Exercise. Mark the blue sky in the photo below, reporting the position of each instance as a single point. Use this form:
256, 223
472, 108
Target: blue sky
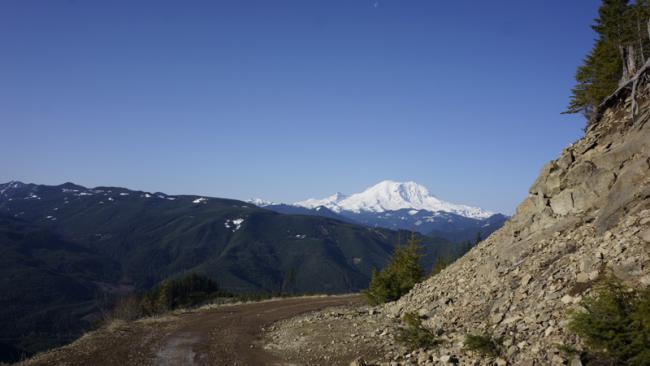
287, 100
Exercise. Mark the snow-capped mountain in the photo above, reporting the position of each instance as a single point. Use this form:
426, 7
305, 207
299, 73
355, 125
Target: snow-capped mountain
260, 202
331, 202
392, 196
400, 205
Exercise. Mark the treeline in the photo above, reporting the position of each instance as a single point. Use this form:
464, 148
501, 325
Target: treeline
189, 291
621, 48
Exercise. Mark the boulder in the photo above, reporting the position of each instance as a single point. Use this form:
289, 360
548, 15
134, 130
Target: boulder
645, 235
562, 203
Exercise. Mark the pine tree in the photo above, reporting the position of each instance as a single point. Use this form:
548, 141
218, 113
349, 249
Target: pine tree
597, 78
164, 298
614, 323
399, 277
621, 48
602, 69
441, 263
613, 23
640, 13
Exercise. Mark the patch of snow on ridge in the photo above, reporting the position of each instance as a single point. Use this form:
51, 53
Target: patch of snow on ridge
259, 202
392, 196
234, 224
200, 200
331, 202
10, 185
32, 196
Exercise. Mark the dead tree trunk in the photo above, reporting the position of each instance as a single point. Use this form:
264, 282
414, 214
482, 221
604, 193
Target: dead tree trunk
631, 62
640, 38
625, 75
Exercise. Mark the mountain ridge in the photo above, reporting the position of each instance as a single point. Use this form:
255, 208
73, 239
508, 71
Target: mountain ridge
66, 247
400, 206
389, 195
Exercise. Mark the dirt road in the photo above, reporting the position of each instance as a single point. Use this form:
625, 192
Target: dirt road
232, 335
227, 335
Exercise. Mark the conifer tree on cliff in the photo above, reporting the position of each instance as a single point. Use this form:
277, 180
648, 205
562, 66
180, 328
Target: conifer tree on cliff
621, 47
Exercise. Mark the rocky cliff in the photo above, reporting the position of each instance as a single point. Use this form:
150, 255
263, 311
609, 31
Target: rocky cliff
589, 207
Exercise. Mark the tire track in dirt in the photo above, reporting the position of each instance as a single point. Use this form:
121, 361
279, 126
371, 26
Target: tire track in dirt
224, 335
231, 335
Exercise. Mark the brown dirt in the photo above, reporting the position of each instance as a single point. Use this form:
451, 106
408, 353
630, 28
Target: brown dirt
226, 335
335, 336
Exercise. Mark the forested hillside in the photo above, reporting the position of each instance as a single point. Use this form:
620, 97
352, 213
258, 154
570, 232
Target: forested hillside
67, 250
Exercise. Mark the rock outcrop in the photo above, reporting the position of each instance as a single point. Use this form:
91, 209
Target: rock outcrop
588, 208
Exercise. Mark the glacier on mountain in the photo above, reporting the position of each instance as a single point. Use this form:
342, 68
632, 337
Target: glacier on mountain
392, 196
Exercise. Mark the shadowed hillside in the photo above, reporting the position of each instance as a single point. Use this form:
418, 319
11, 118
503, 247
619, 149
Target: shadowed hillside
68, 250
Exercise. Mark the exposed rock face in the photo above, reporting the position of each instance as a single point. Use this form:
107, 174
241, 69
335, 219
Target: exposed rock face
589, 207
599, 177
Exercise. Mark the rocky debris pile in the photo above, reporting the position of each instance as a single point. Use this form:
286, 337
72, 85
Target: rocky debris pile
525, 300
588, 210
345, 336
524, 303
334, 336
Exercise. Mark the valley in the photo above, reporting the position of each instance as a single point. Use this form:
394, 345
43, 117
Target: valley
69, 252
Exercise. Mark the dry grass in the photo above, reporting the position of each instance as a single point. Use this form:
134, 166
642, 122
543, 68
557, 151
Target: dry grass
273, 299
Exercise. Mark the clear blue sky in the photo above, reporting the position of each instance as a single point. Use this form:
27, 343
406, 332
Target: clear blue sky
287, 100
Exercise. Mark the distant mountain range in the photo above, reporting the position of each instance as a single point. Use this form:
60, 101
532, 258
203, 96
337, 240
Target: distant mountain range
65, 249
399, 205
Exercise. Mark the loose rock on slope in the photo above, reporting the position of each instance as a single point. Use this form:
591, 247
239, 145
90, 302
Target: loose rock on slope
588, 208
